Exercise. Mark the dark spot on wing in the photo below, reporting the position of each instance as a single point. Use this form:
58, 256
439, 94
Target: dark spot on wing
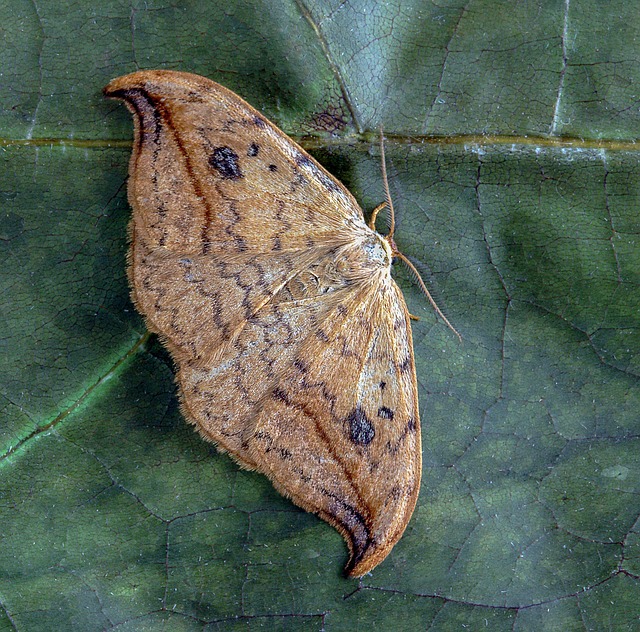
302, 160
385, 413
320, 334
194, 97
285, 454
225, 161
361, 430
280, 395
259, 122
261, 435
253, 150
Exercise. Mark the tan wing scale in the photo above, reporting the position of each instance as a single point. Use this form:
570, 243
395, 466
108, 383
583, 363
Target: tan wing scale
228, 330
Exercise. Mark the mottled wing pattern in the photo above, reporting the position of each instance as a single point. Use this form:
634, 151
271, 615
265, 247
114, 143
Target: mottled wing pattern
291, 341
227, 331
215, 176
209, 175
340, 432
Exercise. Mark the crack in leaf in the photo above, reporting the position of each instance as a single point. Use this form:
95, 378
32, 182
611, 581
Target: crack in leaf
22, 443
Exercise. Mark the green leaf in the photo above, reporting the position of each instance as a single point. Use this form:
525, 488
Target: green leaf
510, 143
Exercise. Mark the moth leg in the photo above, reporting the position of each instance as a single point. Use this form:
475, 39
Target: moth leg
374, 215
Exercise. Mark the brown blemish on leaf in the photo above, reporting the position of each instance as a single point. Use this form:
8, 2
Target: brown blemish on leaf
332, 119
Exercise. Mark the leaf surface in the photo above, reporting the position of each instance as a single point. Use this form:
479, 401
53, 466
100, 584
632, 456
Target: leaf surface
510, 142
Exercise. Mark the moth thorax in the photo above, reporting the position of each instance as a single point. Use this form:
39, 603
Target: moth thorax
359, 260
377, 252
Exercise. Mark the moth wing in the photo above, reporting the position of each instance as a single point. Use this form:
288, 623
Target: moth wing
222, 398
228, 210
209, 174
340, 432
200, 304
231, 325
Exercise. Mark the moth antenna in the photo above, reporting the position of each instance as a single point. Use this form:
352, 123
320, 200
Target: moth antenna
389, 238
387, 192
425, 291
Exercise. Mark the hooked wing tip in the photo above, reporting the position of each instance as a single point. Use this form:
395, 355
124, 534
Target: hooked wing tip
367, 553
365, 560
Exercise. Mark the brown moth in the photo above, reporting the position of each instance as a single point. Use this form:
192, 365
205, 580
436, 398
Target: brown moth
291, 341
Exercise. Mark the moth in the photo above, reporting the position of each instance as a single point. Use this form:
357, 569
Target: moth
291, 341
